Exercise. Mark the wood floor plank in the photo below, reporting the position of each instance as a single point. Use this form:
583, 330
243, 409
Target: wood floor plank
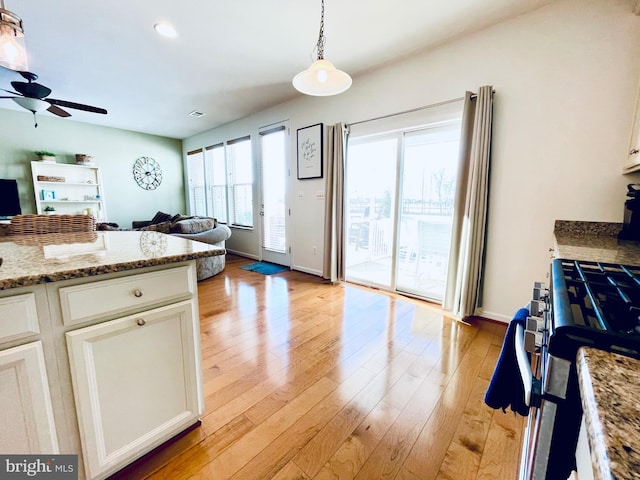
316, 453
186, 464
307, 380
431, 443
271, 459
462, 459
244, 450
356, 449
503, 442
290, 472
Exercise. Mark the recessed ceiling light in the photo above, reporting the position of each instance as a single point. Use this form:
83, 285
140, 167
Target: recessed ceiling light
197, 114
166, 30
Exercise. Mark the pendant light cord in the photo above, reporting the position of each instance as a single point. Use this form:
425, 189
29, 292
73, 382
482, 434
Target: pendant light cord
321, 39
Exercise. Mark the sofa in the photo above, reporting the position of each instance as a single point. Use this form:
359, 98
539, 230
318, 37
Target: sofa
200, 229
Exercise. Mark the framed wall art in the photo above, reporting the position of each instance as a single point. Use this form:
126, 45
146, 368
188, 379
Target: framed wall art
310, 152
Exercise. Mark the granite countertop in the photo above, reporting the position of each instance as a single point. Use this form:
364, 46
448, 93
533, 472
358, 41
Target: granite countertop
594, 241
610, 391
609, 382
33, 259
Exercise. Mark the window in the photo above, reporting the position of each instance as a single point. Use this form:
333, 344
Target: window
221, 182
240, 181
217, 174
195, 167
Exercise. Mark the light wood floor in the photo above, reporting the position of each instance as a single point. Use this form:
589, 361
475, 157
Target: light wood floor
304, 380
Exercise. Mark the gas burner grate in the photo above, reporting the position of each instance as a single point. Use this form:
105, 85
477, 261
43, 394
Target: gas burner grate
604, 296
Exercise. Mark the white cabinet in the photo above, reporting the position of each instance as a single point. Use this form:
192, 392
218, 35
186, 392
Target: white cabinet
26, 414
27, 423
632, 163
68, 189
583, 455
128, 356
136, 383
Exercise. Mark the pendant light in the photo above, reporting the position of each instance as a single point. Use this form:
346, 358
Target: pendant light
13, 53
322, 78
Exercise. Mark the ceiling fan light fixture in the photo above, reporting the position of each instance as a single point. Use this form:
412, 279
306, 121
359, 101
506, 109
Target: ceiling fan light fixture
322, 78
13, 53
34, 105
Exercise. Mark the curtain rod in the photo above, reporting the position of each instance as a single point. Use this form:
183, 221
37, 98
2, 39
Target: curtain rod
411, 111
473, 95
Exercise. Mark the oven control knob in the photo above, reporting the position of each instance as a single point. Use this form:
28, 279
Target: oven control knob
535, 324
536, 307
532, 341
540, 291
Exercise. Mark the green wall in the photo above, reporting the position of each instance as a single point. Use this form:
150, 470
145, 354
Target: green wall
114, 151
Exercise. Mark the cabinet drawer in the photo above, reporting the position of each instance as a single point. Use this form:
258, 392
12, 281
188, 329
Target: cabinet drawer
89, 301
18, 317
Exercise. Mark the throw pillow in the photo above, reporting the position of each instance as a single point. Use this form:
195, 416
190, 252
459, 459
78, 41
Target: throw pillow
193, 225
161, 217
162, 227
107, 226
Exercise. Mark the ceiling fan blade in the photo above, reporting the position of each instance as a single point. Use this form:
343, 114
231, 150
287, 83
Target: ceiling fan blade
77, 106
9, 91
30, 89
58, 111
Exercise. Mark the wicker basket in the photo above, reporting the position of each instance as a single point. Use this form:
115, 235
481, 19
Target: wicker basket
38, 224
55, 239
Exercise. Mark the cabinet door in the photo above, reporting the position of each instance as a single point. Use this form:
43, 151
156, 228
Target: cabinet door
25, 404
136, 383
633, 160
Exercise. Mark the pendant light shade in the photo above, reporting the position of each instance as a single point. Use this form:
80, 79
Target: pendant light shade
13, 53
322, 78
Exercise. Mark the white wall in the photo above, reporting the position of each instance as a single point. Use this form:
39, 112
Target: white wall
114, 151
566, 79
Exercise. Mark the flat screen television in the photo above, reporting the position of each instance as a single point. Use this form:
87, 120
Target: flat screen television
9, 199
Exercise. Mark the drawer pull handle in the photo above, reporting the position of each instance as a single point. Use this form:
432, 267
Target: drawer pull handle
141, 322
137, 292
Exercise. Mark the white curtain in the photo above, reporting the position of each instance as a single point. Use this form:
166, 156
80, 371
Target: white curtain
466, 259
333, 264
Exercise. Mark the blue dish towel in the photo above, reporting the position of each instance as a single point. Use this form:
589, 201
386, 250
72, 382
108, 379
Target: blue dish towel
505, 388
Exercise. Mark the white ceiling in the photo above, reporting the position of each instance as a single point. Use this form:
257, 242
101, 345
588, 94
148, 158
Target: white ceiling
231, 58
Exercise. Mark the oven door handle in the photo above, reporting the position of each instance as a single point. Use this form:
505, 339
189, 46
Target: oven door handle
531, 385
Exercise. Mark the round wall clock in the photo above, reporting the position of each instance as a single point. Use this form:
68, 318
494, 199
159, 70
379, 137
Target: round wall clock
147, 173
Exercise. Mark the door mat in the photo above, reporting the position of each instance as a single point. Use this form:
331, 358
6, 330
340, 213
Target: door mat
265, 268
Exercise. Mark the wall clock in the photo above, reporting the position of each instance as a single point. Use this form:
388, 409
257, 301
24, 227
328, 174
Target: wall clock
147, 173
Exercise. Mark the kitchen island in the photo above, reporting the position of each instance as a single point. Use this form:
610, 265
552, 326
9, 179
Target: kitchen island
609, 382
99, 344
610, 387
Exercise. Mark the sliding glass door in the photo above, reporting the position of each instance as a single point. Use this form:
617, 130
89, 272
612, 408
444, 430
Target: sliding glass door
370, 212
400, 192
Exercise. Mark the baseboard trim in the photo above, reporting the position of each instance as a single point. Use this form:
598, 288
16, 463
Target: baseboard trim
243, 254
496, 317
310, 271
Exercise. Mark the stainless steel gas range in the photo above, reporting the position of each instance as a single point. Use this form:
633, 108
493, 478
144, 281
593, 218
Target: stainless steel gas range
587, 304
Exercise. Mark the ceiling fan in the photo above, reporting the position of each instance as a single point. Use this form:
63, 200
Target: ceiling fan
34, 97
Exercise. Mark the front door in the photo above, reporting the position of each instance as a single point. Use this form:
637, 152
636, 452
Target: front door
274, 148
